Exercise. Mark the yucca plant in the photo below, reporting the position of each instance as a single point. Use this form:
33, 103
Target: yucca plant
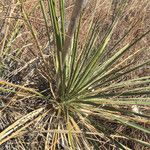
69, 95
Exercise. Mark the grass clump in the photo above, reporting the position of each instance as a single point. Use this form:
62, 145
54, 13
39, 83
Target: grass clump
70, 95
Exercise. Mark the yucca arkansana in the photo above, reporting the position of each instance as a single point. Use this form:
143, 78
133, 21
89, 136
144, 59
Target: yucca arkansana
71, 94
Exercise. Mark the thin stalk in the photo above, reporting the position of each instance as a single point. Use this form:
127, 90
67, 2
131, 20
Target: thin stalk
74, 18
